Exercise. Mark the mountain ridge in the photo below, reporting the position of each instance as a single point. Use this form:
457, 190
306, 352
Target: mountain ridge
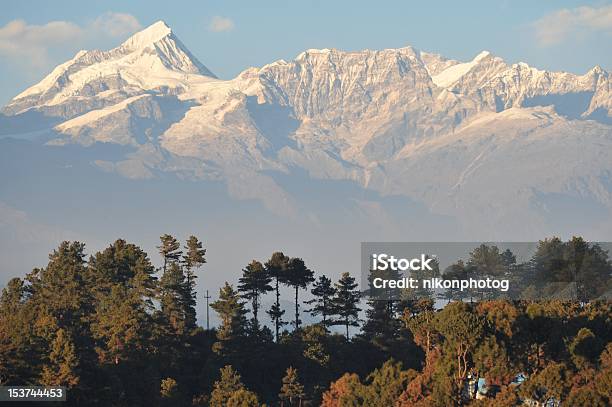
455, 136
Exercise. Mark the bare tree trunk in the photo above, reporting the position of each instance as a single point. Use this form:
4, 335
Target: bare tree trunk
297, 312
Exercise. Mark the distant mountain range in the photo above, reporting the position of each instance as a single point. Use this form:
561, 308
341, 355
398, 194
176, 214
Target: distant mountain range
497, 150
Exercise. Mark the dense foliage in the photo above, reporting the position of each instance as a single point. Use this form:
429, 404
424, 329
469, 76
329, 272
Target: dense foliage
116, 330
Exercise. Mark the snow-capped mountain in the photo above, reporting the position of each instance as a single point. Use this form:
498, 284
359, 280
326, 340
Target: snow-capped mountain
506, 150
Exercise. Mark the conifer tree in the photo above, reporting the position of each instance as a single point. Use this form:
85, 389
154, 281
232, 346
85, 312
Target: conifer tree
121, 263
456, 271
60, 297
61, 370
121, 325
175, 299
223, 389
61, 288
276, 314
508, 258
17, 359
323, 293
243, 398
291, 391
169, 249
346, 302
298, 276
255, 282
193, 259
232, 313
381, 324
276, 268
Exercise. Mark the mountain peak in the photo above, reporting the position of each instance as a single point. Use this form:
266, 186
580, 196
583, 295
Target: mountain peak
481, 56
150, 35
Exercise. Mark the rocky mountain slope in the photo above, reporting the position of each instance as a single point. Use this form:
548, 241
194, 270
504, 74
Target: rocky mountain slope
507, 150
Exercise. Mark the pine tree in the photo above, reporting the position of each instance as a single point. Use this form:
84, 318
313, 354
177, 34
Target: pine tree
233, 322
508, 258
291, 391
121, 263
192, 260
18, 359
61, 288
276, 314
63, 363
255, 281
175, 300
223, 389
381, 324
298, 276
276, 268
346, 302
168, 388
323, 293
61, 298
243, 398
456, 271
169, 250
121, 326
462, 329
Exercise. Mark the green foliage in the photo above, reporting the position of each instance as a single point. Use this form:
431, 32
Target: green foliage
120, 332
254, 283
462, 330
291, 391
585, 348
386, 384
243, 398
276, 267
550, 383
193, 259
168, 388
175, 300
228, 384
298, 276
345, 303
169, 249
323, 293
61, 370
233, 321
583, 268
194, 254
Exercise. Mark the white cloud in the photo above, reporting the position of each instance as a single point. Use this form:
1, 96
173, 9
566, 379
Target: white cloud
22, 41
116, 25
31, 44
220, 24
566, 24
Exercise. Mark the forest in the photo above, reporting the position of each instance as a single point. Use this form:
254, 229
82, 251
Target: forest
117, 330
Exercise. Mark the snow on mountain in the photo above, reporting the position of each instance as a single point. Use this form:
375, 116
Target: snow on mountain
463, 138
453, 73
153, 60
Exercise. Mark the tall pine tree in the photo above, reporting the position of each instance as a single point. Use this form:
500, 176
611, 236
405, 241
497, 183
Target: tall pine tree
233, 322
169, 249
298, 276
193, 259
323, 293
253, 284
175, 299
346, 302
292, 390
276, 268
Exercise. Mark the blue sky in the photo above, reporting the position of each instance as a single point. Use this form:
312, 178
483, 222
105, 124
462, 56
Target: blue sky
229, 35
